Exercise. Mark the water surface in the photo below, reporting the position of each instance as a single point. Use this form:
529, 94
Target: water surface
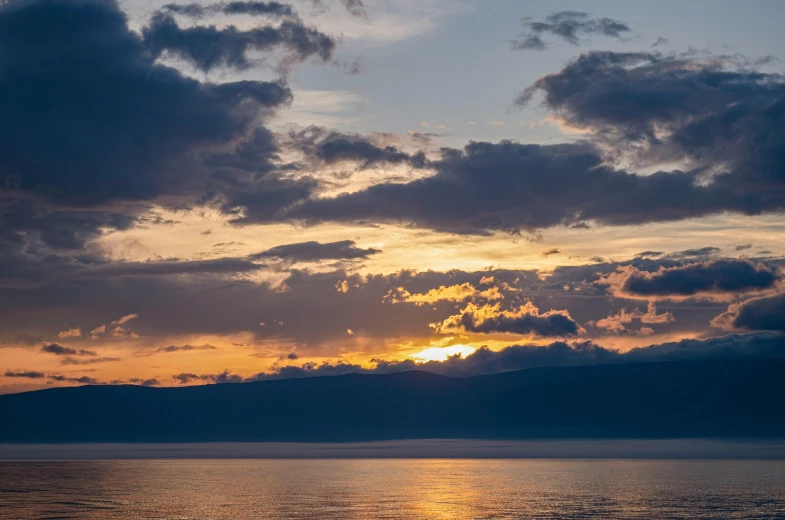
392, 489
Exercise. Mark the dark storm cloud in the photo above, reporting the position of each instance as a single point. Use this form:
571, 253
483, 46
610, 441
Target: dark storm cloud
332, 147
87, 116
209, 47
37, 245
266, 200
26, 225
28, 374
511, 186
570, 26
248, 8
60, 350
716, 112
94, 130
720, 276
316, 251
764, 313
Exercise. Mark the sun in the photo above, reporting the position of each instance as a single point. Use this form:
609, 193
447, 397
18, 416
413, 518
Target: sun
442, 353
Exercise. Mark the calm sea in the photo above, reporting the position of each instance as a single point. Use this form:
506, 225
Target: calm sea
392, 488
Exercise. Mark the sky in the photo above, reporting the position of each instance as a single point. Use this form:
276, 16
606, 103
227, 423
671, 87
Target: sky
197, 193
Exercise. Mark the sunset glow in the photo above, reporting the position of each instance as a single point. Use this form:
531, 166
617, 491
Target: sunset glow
442, 353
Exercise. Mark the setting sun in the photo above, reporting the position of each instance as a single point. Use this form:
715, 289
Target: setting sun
442, 353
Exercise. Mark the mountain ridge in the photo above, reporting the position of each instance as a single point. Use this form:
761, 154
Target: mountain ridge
707, 399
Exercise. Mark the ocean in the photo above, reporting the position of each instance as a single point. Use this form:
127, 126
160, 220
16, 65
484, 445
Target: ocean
191, 489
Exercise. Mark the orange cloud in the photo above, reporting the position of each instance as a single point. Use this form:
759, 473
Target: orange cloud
527, 319
115, 328
617, 323
70, 333
455, 293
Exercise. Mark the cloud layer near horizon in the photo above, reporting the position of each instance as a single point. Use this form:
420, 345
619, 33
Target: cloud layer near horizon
521, 357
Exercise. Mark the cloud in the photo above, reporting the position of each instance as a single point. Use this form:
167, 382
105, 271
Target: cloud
693, 254
485, 361
764, 313
331, 147
232, 8
223, 377
716, 113
315, 314
171, 268
28, 374
120, 131
131, 125
60, 350
115, 329
125, 319
354, 7
91, 361
208, 47
569, 26
453, 293
83, 380
719, 278
310, 369
117, 131
511, 186
185, 378
144, 382
649, 254
618, 323
519, 357
317, 251
490, 319
184, 348
70, 333
551, 252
